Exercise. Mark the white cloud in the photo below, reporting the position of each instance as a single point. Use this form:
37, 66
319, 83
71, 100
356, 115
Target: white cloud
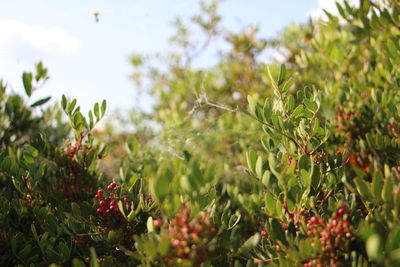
52, 40
328, 5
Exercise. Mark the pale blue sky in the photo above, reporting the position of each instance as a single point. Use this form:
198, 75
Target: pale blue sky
89, 61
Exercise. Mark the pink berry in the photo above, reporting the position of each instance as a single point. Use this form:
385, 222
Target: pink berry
314, 219
338, 230
111, 186
175, 243
158, 222
100, 211
263, 233
342, 210
114, 208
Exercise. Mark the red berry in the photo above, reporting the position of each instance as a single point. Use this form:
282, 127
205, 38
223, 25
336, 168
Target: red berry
158, 222
175, 243
100, 211
314, 219
277, 248
111, 186
114, 208
342, 210
263, 233
108, 199
103, 203
346, 223
338, 230
100, 192
97, 196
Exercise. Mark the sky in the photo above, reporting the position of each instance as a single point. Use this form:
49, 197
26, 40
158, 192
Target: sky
89, 61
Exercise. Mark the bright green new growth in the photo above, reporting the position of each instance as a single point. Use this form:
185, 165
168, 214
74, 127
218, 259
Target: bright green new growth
241, 164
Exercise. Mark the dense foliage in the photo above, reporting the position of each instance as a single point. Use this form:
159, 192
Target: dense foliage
240, 164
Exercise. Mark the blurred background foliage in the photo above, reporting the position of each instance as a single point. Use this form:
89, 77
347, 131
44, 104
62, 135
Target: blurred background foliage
246, 155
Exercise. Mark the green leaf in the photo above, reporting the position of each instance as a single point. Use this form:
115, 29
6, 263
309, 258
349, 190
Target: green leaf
362, 188
77, 263
150, 224
258, 168
270, 204
276, 231
374, 247
282, 74
306, 178
103, 107
315, 127
63, 102
27, 81
377, 185
304, 163
35, 235
251, 159
76, 210
96, 111
250, 243
312, 106
298, 111
393, 240
114, 237
272, 79
65, 251
40, 102
341, 10
387, 191
93, 255
24, 253
161, 185
71, 106
252, 105
52, 255
234, 220
91, 121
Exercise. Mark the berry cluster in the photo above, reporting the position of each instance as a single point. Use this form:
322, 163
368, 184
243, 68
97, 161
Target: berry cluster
71, 152
344, 115
190, 239
334, 237
108, 204
343, 118
319, 157
393, 127
29, 196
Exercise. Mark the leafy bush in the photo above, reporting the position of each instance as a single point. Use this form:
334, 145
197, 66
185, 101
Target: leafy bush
320, 139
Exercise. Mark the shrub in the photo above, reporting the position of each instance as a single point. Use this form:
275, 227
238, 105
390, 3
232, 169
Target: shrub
319, 138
